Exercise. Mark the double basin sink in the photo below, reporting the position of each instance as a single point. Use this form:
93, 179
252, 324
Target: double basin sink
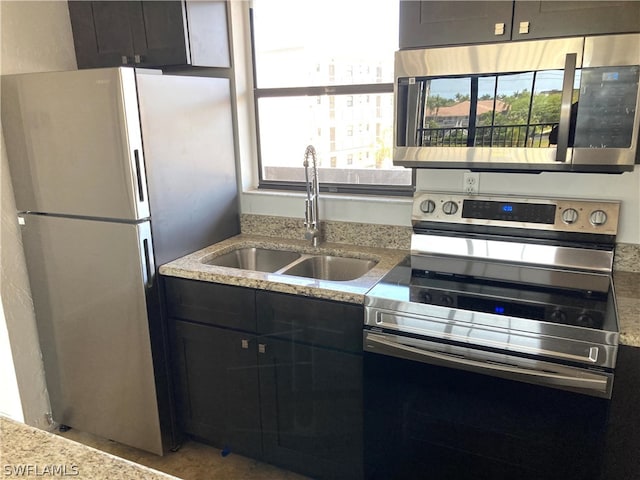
287, 262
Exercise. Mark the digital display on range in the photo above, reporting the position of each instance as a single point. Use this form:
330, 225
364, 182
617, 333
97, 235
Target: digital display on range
501, 307
510, 212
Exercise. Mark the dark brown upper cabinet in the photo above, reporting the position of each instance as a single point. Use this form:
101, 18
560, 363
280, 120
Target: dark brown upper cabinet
434, 23
150, 33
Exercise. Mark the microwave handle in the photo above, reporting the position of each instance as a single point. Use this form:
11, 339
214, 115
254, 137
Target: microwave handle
564, 125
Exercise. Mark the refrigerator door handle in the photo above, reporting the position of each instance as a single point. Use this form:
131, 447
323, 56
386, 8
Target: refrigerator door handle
146, 249
134, 149
140, 185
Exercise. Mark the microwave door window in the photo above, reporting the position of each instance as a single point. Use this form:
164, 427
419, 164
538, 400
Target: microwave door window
447, 110
511, 112
607, 107
518, 110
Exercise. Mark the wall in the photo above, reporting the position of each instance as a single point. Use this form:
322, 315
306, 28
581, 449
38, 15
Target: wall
34, 36
394, 211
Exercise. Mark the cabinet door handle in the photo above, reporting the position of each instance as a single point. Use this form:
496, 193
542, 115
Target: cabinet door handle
245, 343
124, 59
523, 27
137, 59
498, 29
262, 348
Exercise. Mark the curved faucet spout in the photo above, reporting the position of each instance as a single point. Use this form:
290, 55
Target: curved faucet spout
311, 218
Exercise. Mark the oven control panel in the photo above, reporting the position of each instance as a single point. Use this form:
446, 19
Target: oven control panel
566, 215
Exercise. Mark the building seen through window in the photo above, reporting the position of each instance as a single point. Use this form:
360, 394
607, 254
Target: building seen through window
324, 76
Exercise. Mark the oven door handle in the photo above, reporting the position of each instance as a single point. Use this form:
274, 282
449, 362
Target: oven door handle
591, 383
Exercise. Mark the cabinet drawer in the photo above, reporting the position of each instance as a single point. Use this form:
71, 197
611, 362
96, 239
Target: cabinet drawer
211, 303
311, 321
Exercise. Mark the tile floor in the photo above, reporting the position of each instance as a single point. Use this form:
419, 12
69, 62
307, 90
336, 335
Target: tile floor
194, 461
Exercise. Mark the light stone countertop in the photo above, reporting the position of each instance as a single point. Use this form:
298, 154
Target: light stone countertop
26, 451
352, 291
627, 287
627, 284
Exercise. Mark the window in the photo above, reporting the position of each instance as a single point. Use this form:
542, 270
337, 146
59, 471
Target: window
340, 51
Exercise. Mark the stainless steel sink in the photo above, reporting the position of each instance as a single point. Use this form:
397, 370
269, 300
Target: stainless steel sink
258, 259
326, 267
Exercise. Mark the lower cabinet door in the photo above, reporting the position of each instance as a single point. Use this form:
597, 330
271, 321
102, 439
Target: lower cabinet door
217, 383
311, 402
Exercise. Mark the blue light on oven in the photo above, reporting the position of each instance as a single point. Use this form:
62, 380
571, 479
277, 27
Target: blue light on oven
499, 310
507, 208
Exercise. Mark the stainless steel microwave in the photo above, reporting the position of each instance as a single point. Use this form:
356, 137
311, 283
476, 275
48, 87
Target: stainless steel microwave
569, 104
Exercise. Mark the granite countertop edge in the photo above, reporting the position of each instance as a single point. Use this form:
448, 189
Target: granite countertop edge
627, 284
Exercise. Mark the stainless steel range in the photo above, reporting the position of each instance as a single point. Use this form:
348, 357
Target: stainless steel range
517, 288
490, 351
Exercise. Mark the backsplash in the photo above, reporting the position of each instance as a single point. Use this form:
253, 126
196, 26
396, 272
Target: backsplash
627, 258
361, 234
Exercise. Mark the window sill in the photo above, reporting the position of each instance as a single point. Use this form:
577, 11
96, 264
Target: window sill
401, 200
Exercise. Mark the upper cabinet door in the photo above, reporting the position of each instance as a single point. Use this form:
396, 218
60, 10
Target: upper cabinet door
150, 33
160, 37
102, 32
532, 20
432, 23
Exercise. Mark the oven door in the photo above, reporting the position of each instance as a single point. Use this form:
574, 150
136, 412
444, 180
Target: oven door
427, 420
590, 382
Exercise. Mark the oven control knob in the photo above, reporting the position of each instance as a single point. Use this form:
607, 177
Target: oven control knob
447, 300
597, 218
428, 206
585, 320
426, 297
570, 216
558, 316
449, 208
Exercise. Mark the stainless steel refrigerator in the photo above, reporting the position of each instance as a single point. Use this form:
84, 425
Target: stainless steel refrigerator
115, 172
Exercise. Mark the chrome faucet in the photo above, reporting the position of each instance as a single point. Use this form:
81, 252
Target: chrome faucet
311, 220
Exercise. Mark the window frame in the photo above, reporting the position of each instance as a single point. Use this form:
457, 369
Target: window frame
334, 90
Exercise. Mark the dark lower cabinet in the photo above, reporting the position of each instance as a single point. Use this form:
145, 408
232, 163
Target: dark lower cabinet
218, 386
311, 404
622, 446
311, 384
272, 376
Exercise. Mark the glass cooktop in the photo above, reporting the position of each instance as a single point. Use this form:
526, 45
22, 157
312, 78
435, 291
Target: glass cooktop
588, 309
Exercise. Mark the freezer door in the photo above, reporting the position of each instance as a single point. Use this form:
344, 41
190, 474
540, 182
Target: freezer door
74, 144
187, 131
89, 281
